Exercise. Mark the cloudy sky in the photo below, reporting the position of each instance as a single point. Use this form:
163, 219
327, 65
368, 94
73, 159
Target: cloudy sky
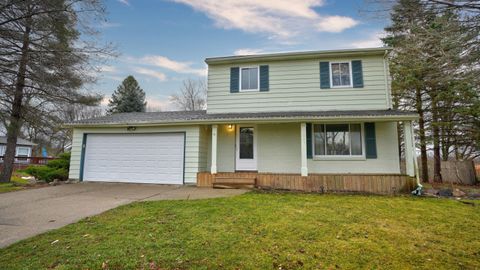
163, 42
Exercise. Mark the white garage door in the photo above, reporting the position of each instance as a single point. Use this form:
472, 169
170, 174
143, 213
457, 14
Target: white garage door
135, 158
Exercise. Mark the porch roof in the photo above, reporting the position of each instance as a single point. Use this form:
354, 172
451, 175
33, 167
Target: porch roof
202, 117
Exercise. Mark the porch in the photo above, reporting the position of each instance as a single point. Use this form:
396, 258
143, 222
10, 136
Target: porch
321, 155
323, 183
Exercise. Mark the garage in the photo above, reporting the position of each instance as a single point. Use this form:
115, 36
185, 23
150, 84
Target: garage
134, 158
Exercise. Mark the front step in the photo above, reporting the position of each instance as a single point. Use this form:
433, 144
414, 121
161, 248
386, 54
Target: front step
233, 182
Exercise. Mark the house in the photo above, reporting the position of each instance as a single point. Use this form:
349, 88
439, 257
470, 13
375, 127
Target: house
23, 149
303, 120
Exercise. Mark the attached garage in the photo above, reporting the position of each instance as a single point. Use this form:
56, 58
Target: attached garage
157, 158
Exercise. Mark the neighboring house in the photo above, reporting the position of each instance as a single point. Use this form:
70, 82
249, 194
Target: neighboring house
22, 152
299, 115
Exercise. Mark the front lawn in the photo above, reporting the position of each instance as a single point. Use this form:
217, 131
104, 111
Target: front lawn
264, 231
16, 183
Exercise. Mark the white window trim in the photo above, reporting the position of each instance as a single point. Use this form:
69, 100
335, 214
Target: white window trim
351, 74
340, 157
258, 80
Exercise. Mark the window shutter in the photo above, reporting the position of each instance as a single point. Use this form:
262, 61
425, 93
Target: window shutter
370, 141
324, 75
234, 79
309, 140
357, 74
264, 78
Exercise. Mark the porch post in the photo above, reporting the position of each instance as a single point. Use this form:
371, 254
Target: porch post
410, 155
303, 135
213, 168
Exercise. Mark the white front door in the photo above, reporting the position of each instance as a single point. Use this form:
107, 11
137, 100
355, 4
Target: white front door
246, 150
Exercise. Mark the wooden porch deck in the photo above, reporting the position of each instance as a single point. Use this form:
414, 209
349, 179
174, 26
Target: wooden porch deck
346, 183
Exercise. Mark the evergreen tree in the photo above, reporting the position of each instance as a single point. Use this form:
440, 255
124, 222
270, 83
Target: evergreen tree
434, 67
128, 97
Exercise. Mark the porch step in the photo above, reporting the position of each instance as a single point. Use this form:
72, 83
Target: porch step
233, 182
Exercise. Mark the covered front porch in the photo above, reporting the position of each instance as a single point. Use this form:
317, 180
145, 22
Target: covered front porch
322, 155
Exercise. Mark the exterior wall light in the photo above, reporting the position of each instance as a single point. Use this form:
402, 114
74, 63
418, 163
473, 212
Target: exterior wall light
230, 127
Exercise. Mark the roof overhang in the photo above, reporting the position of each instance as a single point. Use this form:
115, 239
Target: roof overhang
251, 120
296, 55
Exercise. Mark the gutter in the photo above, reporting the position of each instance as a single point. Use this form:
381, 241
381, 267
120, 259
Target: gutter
248, 120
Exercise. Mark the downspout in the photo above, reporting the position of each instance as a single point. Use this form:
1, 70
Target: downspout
418, 191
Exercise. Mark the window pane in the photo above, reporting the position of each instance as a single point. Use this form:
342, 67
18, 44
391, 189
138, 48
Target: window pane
338, 139
345, 69
319, 139
249, 78
253, 78
246, 143
356, 137
245, 76
22, 151
345, 79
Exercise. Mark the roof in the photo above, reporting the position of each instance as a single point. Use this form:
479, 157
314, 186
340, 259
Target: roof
202, 117
295, 55
20, 141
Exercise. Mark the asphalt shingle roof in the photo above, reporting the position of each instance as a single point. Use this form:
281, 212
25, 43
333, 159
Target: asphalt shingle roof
20, 141
202, 116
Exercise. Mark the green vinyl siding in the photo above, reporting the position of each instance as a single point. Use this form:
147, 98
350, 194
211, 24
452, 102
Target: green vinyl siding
193, 148
295, 86
277, 156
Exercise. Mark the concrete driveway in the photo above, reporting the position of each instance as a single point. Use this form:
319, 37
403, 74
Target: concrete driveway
30, 212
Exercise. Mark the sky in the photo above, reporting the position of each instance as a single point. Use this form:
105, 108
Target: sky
163, 42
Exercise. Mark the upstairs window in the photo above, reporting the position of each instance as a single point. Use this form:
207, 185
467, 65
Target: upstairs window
341, 74
337, 140
249, 79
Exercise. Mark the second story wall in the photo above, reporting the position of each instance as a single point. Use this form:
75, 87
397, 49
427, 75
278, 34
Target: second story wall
294, 85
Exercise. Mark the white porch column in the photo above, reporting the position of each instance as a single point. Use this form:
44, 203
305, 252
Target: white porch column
410, 155
213, 167
303, 135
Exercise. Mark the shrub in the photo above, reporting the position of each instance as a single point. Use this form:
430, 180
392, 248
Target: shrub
55, 169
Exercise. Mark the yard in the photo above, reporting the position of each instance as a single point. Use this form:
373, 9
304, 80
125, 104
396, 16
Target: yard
264, 231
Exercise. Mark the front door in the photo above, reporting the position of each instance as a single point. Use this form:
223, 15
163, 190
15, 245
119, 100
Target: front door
246, 156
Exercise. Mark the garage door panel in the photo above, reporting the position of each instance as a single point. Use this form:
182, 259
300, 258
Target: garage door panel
139, 158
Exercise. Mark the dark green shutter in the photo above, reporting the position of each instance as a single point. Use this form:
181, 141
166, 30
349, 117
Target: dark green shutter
370, 141
264, 78
357, 73
234, 79
309, 140
324, 75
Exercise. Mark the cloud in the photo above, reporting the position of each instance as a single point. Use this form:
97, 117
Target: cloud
372, 41
108, 69
125, 2
336, 24
151, 73
179, 67
247, 51
105, 25
282, 19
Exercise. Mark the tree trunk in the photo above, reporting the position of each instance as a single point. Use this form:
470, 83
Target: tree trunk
13, 129
421, 133
437, 174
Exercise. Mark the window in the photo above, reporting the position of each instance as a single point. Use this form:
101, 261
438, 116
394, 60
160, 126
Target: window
341, 74
22, 154
249, 78
337, 140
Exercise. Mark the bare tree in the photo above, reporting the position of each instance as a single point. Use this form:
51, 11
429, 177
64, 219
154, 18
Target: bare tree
48, 52
192, 96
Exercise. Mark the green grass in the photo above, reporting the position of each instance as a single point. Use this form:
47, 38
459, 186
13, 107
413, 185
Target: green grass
16, 183
264, 231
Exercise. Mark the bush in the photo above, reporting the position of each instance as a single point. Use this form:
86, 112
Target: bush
55, 169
